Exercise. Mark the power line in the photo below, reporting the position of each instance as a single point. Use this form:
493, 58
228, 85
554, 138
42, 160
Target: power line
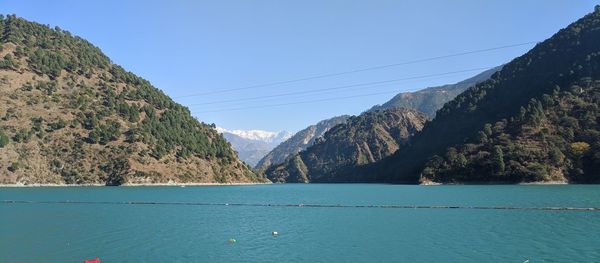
345, 97
306, 102
356, 70
340, 87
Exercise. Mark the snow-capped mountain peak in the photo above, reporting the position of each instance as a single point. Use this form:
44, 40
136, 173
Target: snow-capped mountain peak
252, 145
259, 135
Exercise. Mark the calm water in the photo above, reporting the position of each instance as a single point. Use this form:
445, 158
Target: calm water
173, 233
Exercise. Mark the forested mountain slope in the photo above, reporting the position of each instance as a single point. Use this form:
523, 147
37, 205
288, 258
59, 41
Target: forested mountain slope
299, 141
69, 115
362, 139
534, 120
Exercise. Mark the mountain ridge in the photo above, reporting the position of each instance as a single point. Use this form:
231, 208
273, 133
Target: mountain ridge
431, 99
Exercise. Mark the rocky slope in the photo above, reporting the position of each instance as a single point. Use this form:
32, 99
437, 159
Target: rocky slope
362, 139
431, 99
69, 115
537, 119
299, 141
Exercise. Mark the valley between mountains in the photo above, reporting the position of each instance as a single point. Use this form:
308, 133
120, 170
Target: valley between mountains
69, 115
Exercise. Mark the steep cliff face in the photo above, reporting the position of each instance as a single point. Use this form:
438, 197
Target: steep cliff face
69, 115
362, 139
299, 141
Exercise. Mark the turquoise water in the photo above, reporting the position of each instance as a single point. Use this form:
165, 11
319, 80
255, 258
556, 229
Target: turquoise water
54, 232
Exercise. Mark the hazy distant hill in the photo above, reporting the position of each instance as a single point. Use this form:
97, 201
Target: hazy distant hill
431, 99
254, 144
69, 115
537, 119
362, 139
299, 141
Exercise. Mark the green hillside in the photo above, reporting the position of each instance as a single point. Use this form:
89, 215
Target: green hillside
69, 115
535, 120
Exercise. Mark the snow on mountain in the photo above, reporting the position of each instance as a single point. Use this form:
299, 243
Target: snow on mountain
259, 135
253, 145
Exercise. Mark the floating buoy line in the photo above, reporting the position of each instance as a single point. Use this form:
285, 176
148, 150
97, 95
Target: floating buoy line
305, 205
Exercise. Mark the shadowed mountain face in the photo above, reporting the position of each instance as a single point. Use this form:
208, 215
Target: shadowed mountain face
537, 119
299, 141
362, 139
69, 115
431, 99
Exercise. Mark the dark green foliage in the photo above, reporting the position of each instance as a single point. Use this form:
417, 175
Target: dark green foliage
47, 62
22, 136
88, 120
543, 142
144, 90
175, 129
52, 50
47, 87
27, 87
534, 119
131, 113
36, 127
14, 166
117, 170
57, 125
3, 139
104, 133
498, 160
8, 62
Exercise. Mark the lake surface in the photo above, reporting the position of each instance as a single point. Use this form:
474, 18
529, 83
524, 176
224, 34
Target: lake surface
71, 232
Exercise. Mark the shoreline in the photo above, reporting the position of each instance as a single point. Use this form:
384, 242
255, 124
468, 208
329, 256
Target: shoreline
266, 183
133, 184
546, 183
498, 183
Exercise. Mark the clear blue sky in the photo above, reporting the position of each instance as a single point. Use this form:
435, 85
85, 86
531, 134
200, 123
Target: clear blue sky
186, 47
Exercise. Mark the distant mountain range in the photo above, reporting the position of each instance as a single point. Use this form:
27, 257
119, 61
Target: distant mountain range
299, 141
431, 99
258, 135
252, 145
427, 100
